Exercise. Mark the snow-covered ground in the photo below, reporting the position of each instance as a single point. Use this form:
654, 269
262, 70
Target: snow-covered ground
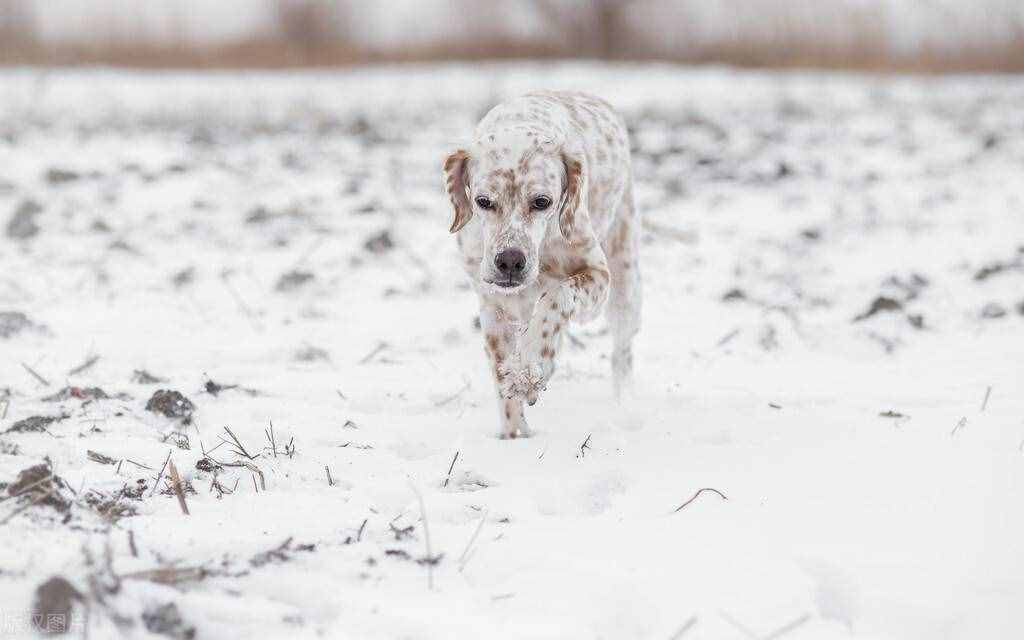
288, 234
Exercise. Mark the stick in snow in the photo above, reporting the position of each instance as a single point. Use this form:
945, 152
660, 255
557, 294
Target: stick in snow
452, 466
85, 366
426, 536
988, 392
176, 485
160, 475
700, 491
35, 375
689, 624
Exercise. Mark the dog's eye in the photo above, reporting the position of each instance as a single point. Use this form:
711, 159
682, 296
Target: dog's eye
541, 203
484, 202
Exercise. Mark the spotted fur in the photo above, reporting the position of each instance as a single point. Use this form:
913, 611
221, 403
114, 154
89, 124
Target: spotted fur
581, 252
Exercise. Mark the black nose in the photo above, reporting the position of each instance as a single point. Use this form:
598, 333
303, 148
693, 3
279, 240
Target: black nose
510, 262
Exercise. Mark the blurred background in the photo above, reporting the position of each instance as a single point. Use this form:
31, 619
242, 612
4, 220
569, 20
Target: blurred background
876, 35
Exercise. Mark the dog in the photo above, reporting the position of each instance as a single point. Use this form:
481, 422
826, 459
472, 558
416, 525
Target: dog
549, 234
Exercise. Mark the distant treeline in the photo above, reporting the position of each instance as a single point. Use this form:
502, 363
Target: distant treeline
938, 35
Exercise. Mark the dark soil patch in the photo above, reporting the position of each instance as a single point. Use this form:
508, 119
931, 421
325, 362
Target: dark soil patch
56, 176
22, 224
14, 322
878, 305
34, 423
39, 485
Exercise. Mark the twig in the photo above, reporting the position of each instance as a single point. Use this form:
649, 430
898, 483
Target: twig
96, 456
783, 630
727, 337
988, 392
736, 625
330, 481
380, 347
441, 403
176, 485
46, 494
161, 474
959, 425
168, 575
450, 467
700, 491
689, 624
464, 558
138, 464
131, 543
239, 450
35, 375
426, 536
256, 472
270, 437
585, 446
88, 364
3, 408
359, 534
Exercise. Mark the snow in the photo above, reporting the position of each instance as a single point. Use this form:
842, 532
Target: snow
811, 194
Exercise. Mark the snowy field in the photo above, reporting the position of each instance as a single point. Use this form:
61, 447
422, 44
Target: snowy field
833, 339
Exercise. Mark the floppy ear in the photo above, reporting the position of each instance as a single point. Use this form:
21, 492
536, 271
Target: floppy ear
458, 188
572, 199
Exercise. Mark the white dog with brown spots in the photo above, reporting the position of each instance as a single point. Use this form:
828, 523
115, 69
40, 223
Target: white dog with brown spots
545, 221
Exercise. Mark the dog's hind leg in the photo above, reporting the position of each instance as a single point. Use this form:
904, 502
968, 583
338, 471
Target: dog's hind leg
622, 246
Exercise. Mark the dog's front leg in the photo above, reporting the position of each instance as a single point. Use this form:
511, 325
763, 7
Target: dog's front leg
501, 331
580, 296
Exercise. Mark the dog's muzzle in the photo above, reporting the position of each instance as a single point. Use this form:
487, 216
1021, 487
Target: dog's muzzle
510, 268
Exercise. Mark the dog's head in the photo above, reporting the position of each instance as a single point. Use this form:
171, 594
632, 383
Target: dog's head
516, 184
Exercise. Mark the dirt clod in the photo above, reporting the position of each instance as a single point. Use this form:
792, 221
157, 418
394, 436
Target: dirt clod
878, 305
166, 620
22, 224
171, 404
292, 280
39, 485
53, 604
379, 242
56, 175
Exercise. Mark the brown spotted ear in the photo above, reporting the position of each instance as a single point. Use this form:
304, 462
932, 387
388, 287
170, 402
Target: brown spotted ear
572, 199
455, 170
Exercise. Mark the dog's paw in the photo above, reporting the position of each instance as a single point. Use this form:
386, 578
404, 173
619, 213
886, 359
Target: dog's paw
523, 382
